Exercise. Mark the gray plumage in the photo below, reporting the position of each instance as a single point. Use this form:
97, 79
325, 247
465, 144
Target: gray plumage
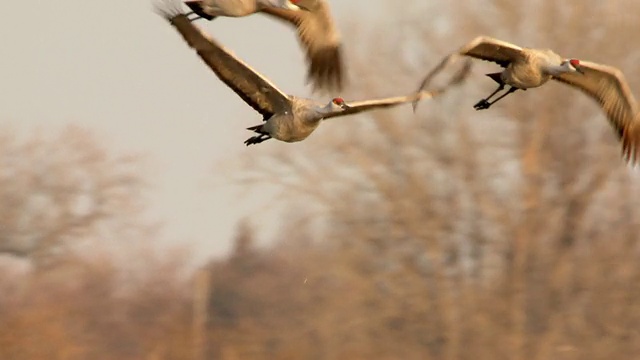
529, 68
286, 118
312, 19
210, 9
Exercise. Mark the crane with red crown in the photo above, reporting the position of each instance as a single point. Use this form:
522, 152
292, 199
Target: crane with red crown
526, 68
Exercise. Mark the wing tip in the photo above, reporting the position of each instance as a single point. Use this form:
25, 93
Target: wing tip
631, 145
457, 79
326, 69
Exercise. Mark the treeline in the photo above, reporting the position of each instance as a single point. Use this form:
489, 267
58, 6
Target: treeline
505, 234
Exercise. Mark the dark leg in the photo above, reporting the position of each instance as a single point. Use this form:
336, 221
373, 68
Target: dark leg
511, 89
257, 139
484, 103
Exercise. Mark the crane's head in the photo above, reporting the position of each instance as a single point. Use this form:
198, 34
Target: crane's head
338, 103
573, 65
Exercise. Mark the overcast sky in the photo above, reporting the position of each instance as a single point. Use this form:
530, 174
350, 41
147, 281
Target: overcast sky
118, 69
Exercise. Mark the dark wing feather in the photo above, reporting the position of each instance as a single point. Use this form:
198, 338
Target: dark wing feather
608, 86
482, 47
254, 89
196, 7
319, 36
490, 49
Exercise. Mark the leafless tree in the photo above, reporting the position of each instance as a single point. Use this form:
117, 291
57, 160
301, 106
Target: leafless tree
59, 190
458, 221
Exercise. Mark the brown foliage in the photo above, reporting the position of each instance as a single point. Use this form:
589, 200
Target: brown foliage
509, 233
85, 315
506, 234
68, 207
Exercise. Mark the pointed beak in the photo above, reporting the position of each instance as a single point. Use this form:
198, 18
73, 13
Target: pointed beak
578, 69
344, 106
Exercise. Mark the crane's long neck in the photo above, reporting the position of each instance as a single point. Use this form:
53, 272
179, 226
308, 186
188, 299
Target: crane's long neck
555, 70
317, 112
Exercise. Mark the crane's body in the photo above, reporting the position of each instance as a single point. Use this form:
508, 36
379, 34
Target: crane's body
301, 116
312, 19
295, 122
526, 68
531, 70
286, 118
209, 9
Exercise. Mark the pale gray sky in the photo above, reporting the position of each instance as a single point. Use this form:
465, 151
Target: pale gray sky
119, 69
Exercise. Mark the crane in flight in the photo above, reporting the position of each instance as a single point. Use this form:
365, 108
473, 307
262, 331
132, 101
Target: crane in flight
287, 118
312, 19
526, 68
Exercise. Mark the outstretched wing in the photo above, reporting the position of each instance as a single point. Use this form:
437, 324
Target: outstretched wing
457, 79
490, 49
482, 47
318, 34
608, 86
254, 89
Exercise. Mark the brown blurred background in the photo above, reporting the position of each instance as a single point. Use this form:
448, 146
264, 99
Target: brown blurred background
510, 233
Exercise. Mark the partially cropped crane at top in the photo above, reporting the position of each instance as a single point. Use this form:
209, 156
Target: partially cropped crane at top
210, 9
286, 118
313, 21
529, 68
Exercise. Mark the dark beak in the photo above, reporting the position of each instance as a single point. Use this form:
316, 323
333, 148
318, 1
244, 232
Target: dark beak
578, 69
345, 106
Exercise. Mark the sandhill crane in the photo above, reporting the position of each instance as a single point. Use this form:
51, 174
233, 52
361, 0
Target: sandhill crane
312, 18
529, 68
210, 9
286, 118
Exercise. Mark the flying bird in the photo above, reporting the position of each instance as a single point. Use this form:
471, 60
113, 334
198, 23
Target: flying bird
210, 9
526, 68
286, 118
316, 29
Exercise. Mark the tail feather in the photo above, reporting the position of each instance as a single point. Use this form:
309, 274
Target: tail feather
257, 128
496, 77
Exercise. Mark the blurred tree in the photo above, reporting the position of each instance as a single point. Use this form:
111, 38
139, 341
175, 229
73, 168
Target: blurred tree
57, 191
470, 234
95, 288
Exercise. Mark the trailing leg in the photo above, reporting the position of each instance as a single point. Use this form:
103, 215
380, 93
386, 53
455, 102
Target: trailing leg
484, 103
262, 135
257, 139
511, 90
